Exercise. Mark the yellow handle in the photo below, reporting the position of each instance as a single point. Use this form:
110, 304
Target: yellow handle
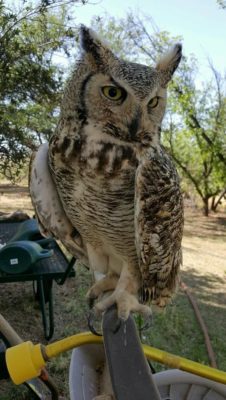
53, 349
184, 364
25, 360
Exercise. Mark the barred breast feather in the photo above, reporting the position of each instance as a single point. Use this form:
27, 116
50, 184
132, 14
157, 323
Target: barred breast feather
96, 186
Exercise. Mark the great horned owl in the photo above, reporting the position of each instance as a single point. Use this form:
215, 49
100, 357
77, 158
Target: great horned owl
105, 186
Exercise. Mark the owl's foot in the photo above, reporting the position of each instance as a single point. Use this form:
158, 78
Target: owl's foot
94, 323
105, 284
104, 397
126, 303
125, 289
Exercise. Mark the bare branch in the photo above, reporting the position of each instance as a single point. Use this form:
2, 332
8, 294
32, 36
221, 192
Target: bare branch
218, 81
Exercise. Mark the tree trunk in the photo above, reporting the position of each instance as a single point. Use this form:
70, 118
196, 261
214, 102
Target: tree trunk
206, 206
214, 204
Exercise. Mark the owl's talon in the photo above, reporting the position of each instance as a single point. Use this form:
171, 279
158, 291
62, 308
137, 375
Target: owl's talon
91, 302
91, 320
148, 322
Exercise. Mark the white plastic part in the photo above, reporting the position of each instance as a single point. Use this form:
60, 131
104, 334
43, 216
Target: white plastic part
86, 361
179, 385
85, 381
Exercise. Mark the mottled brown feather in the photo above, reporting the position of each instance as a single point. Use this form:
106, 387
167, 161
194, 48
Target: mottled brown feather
158, 223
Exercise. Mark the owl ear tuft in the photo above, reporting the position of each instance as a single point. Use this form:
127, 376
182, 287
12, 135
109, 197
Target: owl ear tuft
92, 45
169, 62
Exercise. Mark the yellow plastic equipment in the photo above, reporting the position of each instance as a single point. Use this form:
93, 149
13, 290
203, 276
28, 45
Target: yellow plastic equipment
26, 360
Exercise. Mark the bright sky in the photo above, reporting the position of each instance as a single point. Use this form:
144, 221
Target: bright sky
201, 23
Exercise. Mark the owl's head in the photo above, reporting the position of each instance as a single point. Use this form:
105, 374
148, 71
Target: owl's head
123, 100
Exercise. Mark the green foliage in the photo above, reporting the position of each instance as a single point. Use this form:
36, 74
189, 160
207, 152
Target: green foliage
196, 133
221, 3
31, 41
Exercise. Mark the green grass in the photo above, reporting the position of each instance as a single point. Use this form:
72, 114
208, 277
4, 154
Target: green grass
176, 331
15, 393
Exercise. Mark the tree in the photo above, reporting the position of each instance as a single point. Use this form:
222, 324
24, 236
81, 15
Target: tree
222, 3
197, 137
31, 79
194, 129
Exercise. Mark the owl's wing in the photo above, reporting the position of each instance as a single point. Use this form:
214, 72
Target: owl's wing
48, 207
158, 223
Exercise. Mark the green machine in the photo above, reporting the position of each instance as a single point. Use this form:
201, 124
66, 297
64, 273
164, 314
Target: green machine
24, 249
18, 257
27, 256
29, 230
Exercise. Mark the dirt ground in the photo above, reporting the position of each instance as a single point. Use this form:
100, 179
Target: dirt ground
204, 271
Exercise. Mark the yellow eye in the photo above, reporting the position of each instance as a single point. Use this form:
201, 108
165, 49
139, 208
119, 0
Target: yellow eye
113, 93
153, 102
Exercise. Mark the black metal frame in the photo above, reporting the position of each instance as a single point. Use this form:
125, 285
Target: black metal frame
56, 268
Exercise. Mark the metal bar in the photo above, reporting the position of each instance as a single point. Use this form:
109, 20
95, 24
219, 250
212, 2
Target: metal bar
67, 271
51, 313
48, 327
